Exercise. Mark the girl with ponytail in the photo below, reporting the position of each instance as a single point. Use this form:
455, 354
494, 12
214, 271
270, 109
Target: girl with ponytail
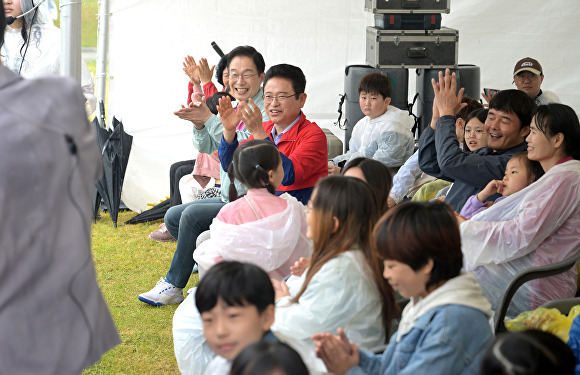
258, 227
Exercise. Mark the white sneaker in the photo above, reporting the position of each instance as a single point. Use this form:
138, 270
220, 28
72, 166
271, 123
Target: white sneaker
164, 293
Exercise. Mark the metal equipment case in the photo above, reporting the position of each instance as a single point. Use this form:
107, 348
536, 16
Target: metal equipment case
412, 48
386, 21
407, 6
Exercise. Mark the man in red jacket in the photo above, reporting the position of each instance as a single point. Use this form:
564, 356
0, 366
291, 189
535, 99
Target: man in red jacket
302, 143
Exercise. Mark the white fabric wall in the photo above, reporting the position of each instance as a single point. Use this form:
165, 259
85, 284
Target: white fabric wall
149, 40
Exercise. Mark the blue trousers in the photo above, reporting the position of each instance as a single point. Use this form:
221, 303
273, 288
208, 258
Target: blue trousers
185, 222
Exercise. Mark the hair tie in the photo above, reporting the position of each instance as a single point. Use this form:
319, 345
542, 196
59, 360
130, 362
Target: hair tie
257, 165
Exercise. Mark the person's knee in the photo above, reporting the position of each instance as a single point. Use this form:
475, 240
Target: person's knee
173, 216
198, 216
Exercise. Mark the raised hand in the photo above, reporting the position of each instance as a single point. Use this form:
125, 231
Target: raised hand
252, 117
229, 118
205, 72
448, 103
300, 266
191, 69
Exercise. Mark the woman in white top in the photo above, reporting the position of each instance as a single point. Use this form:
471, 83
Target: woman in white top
32, 47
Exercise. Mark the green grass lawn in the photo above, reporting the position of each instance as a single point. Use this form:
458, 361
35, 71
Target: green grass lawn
90, 23
127, 264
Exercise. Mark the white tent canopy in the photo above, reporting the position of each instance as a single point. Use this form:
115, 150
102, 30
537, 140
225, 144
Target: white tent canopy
148, 42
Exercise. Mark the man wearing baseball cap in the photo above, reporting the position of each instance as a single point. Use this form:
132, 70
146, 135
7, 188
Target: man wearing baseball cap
528, 77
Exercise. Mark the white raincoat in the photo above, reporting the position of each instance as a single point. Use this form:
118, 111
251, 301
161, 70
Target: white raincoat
536, 226
274, 243
341, 294
42, 58
387, 138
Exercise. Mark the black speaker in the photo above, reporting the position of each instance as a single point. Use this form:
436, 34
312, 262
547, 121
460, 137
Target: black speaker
468, 77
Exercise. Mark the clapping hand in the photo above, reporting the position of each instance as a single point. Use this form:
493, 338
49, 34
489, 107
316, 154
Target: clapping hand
197, 113
448, 103
252, 117
191, 69
300, 266
229, 118
337, 352
205, 72
280, 289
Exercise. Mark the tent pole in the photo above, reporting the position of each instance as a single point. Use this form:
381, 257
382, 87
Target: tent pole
102, 49
70, 38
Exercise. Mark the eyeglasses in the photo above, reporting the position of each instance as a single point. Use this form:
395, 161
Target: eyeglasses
281, 98
521, 77
478, 134
245, 76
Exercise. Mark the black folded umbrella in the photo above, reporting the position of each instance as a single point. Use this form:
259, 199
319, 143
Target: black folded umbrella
115, 146
154, 213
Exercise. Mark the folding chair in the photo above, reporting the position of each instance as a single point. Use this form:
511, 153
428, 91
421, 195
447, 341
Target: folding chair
523, 277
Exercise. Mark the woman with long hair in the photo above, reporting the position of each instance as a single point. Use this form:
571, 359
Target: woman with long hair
32, 47
444, 328
343, 285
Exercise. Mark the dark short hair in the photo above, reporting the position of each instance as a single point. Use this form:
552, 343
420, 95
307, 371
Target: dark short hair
528, 352
472, 105
219, 69
414, 232
514, 101
555, 118
290, 72
534, 167
376, 83
265, 357
237, 284
378, 178
248, 51
2, 23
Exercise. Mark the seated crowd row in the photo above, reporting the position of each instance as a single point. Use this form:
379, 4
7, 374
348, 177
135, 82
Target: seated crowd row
511, 175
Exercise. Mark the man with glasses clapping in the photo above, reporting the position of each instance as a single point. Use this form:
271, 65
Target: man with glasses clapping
302, 143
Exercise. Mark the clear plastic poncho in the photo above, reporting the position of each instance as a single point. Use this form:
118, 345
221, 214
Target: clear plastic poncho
387, 138
341, 294
536, 226
274, 243
42, 57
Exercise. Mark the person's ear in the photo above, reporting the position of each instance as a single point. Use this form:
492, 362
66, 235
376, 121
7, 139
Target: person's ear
459, 123
302, 99
271, 176
541, 78
267, 316
558, 140
262, 78
427, 268
524, 131
336, 224
387, 101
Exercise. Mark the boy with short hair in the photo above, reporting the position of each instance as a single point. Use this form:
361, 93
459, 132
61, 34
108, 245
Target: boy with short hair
384, 134
236, 304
